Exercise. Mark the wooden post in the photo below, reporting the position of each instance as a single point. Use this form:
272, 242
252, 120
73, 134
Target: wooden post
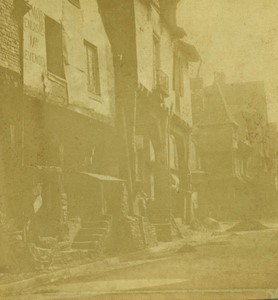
103, 203
128, 166
21, 53
169, 119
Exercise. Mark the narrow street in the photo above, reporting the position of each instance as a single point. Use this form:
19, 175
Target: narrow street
235, 262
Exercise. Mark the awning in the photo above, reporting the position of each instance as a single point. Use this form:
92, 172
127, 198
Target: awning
189, 51
101, 177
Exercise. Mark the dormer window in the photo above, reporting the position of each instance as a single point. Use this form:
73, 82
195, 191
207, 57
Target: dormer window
155, 3
75, 3
93, 80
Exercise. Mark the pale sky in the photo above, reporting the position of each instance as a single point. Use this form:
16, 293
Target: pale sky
239, 37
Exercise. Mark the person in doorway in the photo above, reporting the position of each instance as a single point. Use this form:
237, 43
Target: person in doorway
194, 205
142, 201
175, 192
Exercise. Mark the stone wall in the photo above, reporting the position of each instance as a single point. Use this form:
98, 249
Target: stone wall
9, 37
150, 233
9, 106
133, 233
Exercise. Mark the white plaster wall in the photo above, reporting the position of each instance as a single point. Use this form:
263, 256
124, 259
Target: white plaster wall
186, 107
147, 22
52, 8
94, 33
77, 24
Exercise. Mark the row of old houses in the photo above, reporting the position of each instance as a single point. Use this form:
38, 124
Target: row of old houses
96, 116
97, 113
236, 149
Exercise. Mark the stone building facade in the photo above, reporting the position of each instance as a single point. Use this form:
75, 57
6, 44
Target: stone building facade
154, 105
68, 118
11, 98
61, 153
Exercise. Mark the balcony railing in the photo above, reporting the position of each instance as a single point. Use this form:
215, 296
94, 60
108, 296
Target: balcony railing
162, 82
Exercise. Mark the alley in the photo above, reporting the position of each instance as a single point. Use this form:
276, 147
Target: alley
235, 262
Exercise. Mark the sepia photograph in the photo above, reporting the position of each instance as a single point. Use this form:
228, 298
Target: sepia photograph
139, 149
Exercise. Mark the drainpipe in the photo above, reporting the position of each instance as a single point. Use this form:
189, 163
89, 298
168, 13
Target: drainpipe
21, 7
170, 114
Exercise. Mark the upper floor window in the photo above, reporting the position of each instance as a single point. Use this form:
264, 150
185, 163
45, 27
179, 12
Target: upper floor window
93, 81
75, 3
173, 153
54, 47
178, 80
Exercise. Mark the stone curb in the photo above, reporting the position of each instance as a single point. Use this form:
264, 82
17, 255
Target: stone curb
84, 270
90, 268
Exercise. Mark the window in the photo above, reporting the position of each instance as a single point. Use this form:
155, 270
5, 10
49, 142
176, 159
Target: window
178, 82
54, 47
75, 3
173, 153
156, 57
139, 140
178, 103
93, 82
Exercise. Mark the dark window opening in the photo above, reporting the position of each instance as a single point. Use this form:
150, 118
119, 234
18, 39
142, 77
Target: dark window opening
54, 47
178, 82
93, 81
174, 158
178, 103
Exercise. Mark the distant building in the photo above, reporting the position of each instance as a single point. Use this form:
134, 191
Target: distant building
232, 142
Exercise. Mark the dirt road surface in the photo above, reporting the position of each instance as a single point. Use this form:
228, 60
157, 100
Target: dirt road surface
234, 266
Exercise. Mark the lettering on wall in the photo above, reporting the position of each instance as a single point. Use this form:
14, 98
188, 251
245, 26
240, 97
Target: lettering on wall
34, 29
34, 48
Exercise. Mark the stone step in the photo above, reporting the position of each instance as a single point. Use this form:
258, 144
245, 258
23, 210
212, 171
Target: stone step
64, 245
83, 236
105, 218
86, 245
163, 232
96, 224
93, 230
72, 255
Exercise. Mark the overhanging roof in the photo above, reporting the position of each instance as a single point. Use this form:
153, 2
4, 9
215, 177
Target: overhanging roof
101, 177
189, 51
